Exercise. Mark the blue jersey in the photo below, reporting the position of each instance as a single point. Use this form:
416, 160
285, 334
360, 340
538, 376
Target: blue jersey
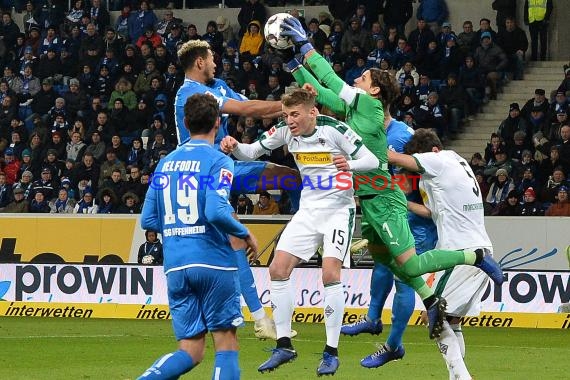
187, 202
423, 229
398, 134
218, 89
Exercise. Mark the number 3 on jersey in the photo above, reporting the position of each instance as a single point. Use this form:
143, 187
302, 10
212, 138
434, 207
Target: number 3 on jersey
186, 202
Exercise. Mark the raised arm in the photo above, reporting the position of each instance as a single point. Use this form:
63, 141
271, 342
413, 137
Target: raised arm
319, 66
253, 108
325, 96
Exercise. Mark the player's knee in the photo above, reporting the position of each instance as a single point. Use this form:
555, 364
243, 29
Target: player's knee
277, 272
330, 277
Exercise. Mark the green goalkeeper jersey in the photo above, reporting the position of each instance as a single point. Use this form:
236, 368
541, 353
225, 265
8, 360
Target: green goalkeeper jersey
364, 114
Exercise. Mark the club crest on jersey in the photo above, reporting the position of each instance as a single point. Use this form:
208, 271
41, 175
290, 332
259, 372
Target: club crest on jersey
226, 177
321, 141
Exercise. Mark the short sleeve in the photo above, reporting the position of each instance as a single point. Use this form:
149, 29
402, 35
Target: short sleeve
430, 164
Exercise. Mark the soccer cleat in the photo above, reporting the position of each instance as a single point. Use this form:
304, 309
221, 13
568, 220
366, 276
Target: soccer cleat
363, 325
278, 357
491, 267
328, 365
265, 328
436, 315
382, 356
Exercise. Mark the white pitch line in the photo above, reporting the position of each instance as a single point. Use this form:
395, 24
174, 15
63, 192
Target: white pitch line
372, 343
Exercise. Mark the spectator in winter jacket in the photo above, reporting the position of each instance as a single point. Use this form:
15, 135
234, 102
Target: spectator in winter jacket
251, 10
434, 12
6, 193
562, 206
530, 206
492, 61
19, 205
140, 20
500, 188
514, 42
10, 167
508, 207
505, 9
150, 252
513, 123
355, 36
39, 205
87, 203
454, 98
244, 205
252, 41
63, 204
397, 13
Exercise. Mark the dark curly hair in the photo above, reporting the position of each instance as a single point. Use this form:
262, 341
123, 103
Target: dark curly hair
389, 87
423, 140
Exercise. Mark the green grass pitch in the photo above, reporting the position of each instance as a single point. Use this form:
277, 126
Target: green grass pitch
35, 348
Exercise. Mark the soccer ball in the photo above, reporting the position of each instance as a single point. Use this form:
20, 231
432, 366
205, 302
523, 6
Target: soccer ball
272, 31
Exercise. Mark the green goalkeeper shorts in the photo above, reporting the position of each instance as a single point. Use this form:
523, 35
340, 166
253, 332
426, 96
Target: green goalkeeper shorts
385, 222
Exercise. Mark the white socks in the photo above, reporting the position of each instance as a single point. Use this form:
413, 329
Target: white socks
282, 301
459, 334
450, 350
334, 311
258, 314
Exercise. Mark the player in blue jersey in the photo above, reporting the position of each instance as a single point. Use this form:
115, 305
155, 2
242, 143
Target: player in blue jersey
425, 236
197, 60
195, 219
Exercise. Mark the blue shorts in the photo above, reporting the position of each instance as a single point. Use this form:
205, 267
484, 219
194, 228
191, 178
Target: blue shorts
246, 175
203, 299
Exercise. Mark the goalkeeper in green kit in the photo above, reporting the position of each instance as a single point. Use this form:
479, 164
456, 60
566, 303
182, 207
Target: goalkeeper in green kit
384, 206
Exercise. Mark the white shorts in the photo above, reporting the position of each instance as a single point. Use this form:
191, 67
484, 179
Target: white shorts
462, 287
311, 228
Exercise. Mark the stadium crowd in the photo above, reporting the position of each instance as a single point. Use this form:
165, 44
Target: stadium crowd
87, 104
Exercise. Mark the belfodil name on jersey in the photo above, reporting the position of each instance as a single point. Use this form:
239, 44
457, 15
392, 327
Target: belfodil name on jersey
181, 166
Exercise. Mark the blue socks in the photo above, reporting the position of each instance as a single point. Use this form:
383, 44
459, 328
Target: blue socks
226, 366
380, 285
402, 309
246, 282
169, 366
175, 364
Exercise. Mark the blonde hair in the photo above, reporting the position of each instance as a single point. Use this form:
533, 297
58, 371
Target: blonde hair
192, 50
297, 97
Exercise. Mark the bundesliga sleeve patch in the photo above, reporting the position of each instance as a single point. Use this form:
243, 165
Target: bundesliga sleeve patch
351, 136
226, 176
